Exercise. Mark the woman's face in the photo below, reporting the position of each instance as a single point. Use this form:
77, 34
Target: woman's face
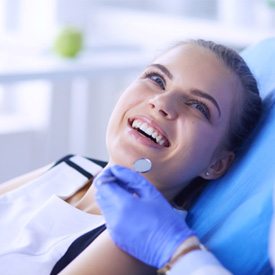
176, 114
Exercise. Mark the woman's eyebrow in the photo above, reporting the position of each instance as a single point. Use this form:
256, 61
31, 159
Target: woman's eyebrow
208, 97
163, 69
193, 91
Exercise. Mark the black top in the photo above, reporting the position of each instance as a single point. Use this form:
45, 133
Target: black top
76, 248
83, 241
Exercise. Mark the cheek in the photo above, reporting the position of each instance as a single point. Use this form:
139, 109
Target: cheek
134, 95
198, 144
129, 98
127, 101
124, 103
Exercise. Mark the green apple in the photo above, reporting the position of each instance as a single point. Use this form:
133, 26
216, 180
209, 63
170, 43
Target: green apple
68, 42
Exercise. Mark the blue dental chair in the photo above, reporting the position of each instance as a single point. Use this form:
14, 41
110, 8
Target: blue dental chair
232, 216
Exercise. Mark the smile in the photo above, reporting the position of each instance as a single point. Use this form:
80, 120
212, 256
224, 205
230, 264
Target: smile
150, 132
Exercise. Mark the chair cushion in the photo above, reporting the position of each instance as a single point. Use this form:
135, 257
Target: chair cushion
261, 60
232, 215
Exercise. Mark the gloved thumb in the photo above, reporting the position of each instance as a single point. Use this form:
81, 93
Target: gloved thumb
134, 181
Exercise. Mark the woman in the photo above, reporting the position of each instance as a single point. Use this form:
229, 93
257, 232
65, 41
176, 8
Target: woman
188, 112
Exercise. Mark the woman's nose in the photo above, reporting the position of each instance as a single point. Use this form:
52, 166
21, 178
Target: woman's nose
165, 105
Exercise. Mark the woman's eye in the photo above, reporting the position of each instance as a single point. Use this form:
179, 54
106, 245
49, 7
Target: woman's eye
201, 107
157, 78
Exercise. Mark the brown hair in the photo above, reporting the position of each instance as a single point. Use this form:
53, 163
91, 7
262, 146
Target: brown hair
243, 120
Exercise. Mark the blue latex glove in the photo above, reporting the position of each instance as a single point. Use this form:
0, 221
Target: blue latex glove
139, 219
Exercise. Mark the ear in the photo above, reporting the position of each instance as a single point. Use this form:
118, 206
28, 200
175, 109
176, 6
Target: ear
219, 166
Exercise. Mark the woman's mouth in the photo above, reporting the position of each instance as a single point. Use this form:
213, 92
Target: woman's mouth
149, 131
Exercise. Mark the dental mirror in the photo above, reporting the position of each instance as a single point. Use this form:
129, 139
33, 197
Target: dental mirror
142, 165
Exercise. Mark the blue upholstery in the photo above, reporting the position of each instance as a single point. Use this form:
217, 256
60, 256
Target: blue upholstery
261, 60
232, 216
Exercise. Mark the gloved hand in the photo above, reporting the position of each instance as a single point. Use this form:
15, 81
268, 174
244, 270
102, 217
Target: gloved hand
139, 219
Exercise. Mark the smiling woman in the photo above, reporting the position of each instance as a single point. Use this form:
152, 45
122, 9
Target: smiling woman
188, 113
178, 113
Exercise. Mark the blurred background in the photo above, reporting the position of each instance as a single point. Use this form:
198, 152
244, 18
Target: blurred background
64, 63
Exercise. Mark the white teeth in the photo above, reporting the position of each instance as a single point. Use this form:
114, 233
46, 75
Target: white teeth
137, 124
150, 131
143, 127
158, 138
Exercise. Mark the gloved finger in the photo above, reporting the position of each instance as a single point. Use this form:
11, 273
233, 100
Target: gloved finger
105, 176
108, 177
104, 179
105, 173
112, 193
134, 181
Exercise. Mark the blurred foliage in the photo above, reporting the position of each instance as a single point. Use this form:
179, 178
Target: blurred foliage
271, 3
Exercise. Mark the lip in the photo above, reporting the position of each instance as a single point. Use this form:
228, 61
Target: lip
144, 139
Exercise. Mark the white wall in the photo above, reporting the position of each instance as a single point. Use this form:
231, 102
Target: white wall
20, 151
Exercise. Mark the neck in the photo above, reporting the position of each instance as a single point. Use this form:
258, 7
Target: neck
87, 202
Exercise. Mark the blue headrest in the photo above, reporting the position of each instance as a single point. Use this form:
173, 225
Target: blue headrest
232, 215
261, 60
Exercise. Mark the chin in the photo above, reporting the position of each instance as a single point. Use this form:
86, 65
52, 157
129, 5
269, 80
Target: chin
121, 157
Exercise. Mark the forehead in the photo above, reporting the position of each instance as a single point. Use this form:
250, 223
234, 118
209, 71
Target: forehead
194, 67
193, 57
